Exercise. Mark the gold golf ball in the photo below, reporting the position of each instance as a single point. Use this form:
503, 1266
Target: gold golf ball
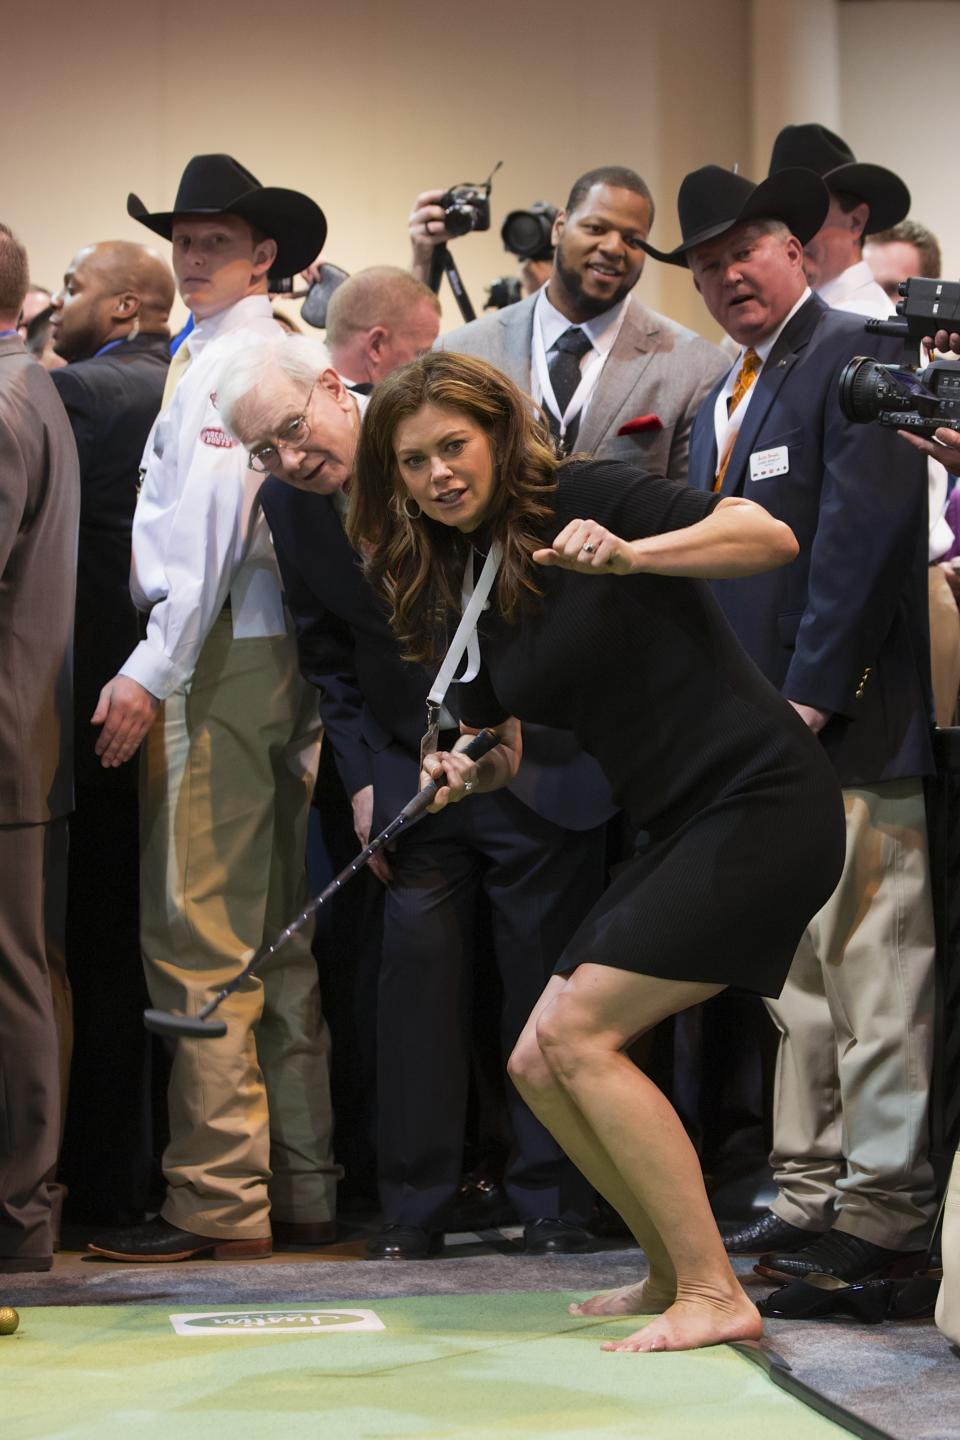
9, 1320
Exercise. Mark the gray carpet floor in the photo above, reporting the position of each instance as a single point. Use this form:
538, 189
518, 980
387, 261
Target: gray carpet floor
901, 1377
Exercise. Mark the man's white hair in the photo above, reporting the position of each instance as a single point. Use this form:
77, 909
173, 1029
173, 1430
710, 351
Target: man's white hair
299, 357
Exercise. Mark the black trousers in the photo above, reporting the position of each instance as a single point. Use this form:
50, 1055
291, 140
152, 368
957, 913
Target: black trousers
539, 880
106, 1158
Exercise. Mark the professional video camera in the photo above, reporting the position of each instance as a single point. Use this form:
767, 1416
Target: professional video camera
904, 397
527, 233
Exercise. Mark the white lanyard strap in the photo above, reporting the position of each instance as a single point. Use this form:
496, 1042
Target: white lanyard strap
580, 396
465, 638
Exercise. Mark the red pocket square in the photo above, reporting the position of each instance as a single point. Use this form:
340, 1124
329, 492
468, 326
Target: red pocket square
640, 423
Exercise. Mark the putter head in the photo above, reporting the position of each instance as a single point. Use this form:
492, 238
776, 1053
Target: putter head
186, 1027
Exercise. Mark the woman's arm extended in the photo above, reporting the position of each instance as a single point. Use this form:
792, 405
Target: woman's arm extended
738, 537
468, 777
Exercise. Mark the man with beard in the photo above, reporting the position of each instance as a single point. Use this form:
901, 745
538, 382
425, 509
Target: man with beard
617, 380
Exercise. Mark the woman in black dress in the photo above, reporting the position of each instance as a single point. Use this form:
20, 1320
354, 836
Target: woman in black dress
600, 623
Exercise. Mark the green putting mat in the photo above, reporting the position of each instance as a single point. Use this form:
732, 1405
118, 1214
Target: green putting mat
421, 1368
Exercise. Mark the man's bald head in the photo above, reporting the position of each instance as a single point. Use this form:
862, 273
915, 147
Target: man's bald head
111, 291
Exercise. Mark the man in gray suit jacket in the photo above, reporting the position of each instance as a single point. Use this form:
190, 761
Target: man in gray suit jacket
39, 516
617, 380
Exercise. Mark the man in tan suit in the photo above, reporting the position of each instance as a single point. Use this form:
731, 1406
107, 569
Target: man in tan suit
616, 379
39, 517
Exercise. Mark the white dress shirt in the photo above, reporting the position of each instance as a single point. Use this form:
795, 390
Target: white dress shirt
199, 534
549, 324
727, 427
856, 290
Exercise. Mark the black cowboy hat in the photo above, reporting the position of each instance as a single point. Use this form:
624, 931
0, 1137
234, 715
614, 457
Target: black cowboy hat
712, 200
219, 185
817, 148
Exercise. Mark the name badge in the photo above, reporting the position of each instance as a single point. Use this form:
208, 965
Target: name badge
764, 464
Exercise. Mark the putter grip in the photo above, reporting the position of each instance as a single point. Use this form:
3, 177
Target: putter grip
479, 744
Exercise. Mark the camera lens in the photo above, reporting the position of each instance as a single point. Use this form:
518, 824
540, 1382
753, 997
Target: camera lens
527, 233
460, 219
867, 388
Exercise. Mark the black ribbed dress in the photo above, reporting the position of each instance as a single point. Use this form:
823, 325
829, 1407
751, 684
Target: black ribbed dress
743, 811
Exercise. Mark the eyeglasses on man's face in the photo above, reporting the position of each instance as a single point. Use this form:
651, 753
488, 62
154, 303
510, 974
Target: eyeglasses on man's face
293, 436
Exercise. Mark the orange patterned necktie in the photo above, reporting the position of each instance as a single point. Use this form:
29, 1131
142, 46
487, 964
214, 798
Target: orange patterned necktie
748, 372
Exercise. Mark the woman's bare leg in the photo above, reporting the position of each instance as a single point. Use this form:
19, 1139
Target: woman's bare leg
555, 1110
581, 1033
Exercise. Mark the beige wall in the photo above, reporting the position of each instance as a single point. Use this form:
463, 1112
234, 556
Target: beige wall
364, 102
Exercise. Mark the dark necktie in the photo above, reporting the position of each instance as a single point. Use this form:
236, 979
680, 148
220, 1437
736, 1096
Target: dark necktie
362, 387
564, 367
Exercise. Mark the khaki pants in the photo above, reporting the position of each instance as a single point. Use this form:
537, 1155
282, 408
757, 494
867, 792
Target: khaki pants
948, 1300
944, 646
856, 1020
228, 777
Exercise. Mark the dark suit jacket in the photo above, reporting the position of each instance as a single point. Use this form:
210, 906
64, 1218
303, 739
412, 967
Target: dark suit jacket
372, 703
655, 366
39, 508
111, 400
844, 627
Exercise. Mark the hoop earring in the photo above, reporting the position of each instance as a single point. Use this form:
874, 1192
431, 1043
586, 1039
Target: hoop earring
403, 506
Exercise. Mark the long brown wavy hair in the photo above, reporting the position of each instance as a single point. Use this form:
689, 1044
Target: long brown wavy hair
417, 564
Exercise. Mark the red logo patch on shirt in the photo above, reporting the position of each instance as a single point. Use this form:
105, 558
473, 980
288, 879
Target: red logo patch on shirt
217, 438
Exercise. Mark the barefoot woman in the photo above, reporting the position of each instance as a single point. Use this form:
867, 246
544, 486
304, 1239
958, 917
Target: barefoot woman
599, 623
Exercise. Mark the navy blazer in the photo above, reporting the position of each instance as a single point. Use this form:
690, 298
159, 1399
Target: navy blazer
844, 627
373, 703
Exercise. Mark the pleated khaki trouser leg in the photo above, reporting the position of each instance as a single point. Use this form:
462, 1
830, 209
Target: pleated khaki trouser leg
856, 1020
948, 1300
228, 776
29, 1071
944, 645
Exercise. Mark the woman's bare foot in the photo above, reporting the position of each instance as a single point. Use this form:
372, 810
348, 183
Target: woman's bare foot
691, 1323
644, 1298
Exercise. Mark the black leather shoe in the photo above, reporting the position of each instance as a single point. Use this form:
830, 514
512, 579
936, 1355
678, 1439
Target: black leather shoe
870, 1301
820, 1296
404, 1242
157, 1240
767, 1233
20, 1264
481, 1204
845, 1256
554, 1237
300, 1234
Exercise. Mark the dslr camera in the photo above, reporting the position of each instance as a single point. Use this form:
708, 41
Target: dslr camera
466, 208
904, 397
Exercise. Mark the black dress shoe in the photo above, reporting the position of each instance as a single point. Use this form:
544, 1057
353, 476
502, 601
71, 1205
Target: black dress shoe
870, 1301
554, 1237
819, 1296
20, 1264
297, 1234
404, 1242
836, 1253
157, 1240
767, 1233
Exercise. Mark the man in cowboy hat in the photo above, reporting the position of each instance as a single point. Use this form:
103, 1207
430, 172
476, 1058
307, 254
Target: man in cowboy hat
230, 763
842, 633
863, 199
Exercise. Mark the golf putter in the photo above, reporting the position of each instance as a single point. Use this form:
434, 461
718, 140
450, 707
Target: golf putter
201, 1026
